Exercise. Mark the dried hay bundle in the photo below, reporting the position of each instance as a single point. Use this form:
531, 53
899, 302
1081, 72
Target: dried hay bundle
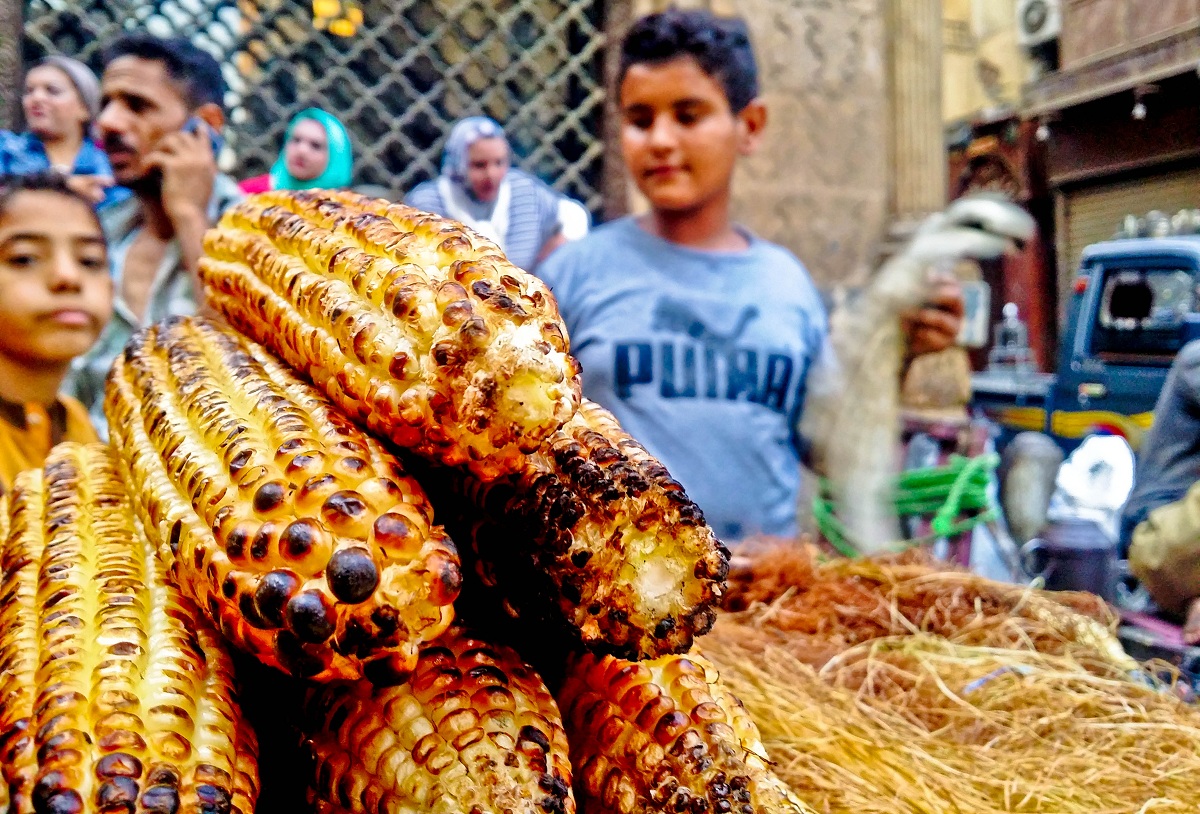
918, 724
781, 595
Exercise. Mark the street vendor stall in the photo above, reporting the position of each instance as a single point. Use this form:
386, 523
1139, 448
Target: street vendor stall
360, 547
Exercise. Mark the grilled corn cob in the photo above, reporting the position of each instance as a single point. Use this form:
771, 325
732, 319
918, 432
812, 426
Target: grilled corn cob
664, 735
595, 536
4, 802
116, 695
474, 730
304, 540
414, 325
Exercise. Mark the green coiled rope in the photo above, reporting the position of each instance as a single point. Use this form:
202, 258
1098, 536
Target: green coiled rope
954, 494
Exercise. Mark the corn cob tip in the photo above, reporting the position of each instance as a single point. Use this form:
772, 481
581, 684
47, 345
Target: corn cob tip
664, 736
601, 540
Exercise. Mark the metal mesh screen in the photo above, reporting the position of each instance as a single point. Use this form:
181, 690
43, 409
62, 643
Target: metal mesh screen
399, 84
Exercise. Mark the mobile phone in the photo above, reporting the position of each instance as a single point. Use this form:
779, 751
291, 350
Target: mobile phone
195, 123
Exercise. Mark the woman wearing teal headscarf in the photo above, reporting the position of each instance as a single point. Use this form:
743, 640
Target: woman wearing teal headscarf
316, 155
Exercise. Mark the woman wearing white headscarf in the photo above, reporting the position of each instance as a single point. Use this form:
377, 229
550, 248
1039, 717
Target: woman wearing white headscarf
479, 187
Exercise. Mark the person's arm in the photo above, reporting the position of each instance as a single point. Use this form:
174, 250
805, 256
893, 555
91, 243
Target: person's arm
1165, 553
189, 172
556, 241
92, 187
936, 325
821, 377
424, 196
1164, 549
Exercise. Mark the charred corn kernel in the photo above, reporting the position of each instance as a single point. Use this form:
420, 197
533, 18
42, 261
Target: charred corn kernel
595, 534
474, 730
306, 543
664, 735
414, 325
116, 695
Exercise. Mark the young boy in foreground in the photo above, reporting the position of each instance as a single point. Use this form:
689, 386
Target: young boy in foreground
695, 333
55, 298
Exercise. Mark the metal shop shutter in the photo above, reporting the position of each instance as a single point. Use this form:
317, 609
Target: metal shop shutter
1094, 213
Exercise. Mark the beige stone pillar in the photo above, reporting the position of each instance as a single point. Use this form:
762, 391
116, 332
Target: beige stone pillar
918, 152
11, 13
819, 184
935, 386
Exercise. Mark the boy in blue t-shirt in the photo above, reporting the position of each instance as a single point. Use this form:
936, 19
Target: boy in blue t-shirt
696, 334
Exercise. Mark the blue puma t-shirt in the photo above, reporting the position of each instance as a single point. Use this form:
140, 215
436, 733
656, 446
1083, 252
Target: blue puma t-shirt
703, 358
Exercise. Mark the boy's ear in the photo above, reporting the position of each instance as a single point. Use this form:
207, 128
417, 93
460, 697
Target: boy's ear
212, 115
752, 121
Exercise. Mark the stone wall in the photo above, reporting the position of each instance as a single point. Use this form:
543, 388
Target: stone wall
11, 79
820, 183
1096, 28
983, 65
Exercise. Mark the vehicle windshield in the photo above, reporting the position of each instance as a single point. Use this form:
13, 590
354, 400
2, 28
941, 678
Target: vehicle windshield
1144, 314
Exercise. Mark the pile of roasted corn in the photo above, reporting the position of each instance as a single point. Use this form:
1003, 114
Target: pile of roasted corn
282, 487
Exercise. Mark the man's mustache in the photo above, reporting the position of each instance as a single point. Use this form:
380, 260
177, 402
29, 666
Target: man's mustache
114, 144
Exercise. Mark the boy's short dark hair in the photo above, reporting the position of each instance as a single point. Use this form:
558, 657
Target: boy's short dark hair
191, 66
720, 45
44, 181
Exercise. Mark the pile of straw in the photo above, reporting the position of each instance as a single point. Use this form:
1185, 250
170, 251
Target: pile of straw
783, 596
918, 724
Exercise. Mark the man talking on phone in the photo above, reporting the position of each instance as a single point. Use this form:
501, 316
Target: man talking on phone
160, 122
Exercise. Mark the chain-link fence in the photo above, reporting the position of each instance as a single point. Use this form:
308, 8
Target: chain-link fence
412, 69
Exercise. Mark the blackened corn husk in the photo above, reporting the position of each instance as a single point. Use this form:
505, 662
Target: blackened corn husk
306, 542
115, 694
593, 537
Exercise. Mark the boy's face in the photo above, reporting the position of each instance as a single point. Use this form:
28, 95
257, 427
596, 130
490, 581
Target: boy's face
679, 135
55, 289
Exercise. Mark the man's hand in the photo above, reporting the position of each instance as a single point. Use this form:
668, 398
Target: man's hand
189, 170
1191, 627
936, 324
92, 187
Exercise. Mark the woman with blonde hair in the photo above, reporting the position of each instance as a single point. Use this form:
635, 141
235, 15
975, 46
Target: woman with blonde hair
61, 99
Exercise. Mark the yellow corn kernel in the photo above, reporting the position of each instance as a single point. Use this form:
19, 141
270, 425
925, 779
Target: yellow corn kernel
115, 692
415, 326
306, 542
665, 736
474, 730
